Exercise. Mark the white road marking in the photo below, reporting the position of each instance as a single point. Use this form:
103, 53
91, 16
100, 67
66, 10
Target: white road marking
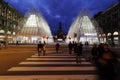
51, 68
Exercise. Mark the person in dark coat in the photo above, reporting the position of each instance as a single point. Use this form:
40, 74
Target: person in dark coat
44, 48
70, 47
78, 51
57, 46
39, 48
94, 52
105, 64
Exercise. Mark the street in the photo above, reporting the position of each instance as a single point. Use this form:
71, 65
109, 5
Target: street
21, 62
12, 55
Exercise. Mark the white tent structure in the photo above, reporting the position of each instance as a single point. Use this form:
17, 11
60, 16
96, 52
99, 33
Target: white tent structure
83, 30
34, 29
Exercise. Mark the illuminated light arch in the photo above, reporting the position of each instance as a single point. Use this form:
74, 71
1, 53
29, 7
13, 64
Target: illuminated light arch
9, 32
2, 31
109, 34
2, 36
115, 33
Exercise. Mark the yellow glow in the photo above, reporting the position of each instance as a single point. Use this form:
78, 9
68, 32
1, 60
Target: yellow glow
115, 33
2, 31
109, 34
84, 29
32, 21
2, 36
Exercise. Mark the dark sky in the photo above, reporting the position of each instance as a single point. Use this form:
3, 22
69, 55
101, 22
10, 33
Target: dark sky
65, 11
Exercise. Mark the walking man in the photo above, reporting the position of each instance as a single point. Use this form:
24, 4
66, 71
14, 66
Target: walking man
44, 48
70, 46
39, 48
57, 46
78, 51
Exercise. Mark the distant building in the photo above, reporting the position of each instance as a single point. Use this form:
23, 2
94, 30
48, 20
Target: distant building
109, 22
9, 18
60, 35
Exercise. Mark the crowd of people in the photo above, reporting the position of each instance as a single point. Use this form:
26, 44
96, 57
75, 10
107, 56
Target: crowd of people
77, 49
101, 55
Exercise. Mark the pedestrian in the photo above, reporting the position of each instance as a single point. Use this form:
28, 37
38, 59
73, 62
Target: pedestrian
94, 53
39, 48
78, 52
100, 49
44, 48
0, 45
105, 65
57, 46
17, 43
70, 47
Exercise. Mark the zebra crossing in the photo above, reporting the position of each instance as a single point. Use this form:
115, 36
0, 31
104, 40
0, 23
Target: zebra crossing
55, 64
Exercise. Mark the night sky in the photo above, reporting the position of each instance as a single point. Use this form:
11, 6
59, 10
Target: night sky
65, 11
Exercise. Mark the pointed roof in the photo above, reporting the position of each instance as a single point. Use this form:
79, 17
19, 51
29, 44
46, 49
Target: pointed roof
34, 25
83, 28
82, 25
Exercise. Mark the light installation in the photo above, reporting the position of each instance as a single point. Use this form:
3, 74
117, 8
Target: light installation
83, 30
34, 29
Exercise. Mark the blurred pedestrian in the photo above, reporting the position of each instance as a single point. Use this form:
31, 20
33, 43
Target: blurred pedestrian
100, 49
39, 48
105, 64
0, 45
70, 47
44, 48
74, 45
57, 46
78, 52
17, 43
94, 53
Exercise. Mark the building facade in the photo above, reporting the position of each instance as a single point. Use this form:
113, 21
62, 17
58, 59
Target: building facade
9, 18
109, 21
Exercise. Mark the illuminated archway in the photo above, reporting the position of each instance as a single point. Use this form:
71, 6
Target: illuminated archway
109, 34
116, 38
2, 36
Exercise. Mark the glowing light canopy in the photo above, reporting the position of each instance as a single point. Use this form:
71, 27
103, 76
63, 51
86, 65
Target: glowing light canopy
84, 29
34, 28
32, 21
